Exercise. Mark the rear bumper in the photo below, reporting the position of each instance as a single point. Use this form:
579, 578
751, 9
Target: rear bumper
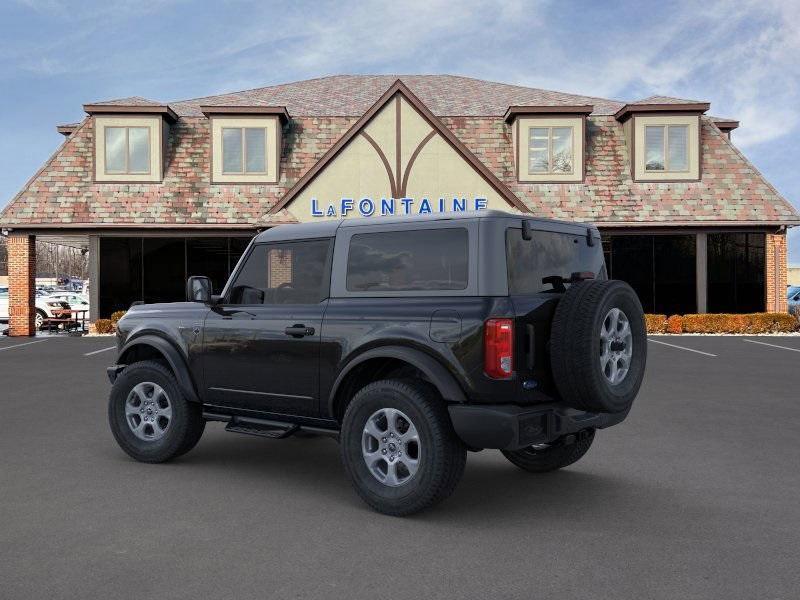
510, 427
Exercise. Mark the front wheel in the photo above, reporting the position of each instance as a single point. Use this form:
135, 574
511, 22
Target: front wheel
149, 416
543, 458
399, 447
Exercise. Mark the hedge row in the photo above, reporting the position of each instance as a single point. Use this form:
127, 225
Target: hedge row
723, 323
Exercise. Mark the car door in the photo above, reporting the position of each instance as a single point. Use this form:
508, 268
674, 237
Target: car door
261, 343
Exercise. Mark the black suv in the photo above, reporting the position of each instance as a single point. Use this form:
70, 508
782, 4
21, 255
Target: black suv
409, 340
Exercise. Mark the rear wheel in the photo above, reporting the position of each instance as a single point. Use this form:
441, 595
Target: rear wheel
39, 318
399, 447
149, 416
543, 458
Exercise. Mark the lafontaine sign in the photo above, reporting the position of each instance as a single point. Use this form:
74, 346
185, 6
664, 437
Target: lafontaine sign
369, 207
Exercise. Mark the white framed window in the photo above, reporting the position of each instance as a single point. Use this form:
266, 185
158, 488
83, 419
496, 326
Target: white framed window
127, 150
550, 150
244, 150
666, 148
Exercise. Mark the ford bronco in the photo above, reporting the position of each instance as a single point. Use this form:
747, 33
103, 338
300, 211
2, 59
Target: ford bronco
409, 340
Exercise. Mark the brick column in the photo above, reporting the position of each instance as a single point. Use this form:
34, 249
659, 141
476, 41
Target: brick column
775, 273
21, 284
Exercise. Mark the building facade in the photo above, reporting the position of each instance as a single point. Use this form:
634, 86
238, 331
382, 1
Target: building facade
156, 192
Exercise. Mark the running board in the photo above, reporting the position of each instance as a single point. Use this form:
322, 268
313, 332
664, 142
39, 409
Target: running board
265, 427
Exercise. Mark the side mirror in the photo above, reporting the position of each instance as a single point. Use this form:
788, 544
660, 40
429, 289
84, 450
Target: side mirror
199, 289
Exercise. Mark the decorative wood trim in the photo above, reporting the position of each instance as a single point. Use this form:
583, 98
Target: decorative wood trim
399, 87
131, 109
630, 109
279, 111
515, 111
412, 158
384, 160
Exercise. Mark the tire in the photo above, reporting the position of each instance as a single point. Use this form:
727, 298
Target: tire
39, 318
556, 456
440, 455
594, 368
159, 439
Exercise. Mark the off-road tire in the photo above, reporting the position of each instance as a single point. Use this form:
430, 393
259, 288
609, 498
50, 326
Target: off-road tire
442, 454
186, 425
575, 344
557, 456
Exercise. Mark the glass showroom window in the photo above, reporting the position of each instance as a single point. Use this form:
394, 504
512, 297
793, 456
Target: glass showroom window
244, 150
550, 150
127, 150
666, 148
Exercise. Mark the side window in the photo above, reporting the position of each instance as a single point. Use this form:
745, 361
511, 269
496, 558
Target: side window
424, 260
284, 273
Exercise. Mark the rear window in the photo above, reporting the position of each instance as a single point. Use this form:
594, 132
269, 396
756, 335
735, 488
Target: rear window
547, 254
395, 261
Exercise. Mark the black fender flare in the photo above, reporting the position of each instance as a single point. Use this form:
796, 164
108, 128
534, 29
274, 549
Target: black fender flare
438, 375
173, 356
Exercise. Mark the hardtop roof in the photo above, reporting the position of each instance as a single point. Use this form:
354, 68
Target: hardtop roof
321, 229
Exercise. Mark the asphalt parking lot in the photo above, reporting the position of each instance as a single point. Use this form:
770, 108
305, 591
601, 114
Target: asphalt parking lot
694, 496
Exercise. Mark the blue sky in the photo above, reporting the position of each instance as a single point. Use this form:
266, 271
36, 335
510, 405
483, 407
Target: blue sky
56, 55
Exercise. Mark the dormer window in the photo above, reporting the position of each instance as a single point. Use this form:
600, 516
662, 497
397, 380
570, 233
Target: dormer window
666, 148
663, 138
550, 150
245, 143
127, 150
548, 142
244, 150
129, 140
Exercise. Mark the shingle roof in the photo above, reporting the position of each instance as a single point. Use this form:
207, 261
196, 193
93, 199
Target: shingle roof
665, 100
63, 192
130, 101
352, 95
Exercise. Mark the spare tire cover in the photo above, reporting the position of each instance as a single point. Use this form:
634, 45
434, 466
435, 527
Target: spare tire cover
598, 346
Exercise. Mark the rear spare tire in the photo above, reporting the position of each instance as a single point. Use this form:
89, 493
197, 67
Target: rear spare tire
599, 346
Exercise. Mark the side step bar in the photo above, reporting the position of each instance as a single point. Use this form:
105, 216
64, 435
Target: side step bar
271, 430
264, 427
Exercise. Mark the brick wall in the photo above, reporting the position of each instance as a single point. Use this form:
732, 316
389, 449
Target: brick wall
776, 271
280, 268
21, 284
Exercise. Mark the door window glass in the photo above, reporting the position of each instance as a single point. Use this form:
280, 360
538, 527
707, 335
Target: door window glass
288, 273
429, 259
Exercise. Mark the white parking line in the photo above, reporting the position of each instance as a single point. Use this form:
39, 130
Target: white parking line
681, 348
101, 350
771, 345
20, 345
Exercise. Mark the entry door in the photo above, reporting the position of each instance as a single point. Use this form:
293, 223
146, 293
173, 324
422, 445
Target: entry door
261, 344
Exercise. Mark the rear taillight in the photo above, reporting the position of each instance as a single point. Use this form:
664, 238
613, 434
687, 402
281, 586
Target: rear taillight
498, 348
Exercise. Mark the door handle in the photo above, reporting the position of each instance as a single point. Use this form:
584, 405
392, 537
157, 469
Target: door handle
298, 330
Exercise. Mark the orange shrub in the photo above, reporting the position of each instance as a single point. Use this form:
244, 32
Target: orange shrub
116, 316
655, 323
746, 323
103, 326
675, 324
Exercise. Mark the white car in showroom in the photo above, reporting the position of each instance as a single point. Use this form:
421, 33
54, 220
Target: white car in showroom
47, 307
